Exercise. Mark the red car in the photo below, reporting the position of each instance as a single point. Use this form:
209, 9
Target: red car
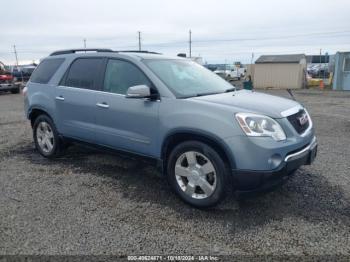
7, 82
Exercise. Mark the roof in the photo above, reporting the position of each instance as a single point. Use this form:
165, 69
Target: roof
271, 59
110, 53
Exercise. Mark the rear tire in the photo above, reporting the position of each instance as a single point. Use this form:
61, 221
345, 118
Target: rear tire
197, 173
46, 138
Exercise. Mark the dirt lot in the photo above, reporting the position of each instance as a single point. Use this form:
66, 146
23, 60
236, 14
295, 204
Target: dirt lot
89, 202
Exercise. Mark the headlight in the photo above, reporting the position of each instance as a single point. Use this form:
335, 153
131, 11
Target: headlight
259, 125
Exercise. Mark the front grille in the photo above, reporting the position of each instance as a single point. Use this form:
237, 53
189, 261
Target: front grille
300, 121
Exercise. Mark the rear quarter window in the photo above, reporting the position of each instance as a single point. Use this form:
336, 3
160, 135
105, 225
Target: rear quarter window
46, 69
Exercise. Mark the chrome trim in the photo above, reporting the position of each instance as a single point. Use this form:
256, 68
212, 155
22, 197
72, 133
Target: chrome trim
291, 111
102, 105
61, 98
303, 151
90, 90
98, 91
310, 124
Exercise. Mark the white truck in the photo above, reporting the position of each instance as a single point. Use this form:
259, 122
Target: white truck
228, 72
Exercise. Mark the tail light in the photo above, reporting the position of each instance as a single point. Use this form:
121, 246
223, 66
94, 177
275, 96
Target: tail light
25, 90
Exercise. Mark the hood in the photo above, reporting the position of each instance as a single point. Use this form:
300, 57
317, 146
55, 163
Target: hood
251, 101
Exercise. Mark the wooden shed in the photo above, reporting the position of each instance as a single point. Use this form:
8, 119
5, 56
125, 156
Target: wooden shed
280, 71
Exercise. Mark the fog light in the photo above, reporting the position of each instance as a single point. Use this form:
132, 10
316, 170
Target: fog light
275, 160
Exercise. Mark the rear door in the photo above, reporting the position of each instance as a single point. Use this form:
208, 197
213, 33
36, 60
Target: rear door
125, 123
76, 99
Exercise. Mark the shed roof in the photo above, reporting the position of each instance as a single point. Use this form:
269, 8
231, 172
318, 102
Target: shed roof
279, 59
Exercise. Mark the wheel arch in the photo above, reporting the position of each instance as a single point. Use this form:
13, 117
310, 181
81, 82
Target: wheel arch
35, 112
178, 136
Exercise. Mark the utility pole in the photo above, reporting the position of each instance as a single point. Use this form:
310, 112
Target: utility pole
15, 51
251, 60
319, 71
190, 44
139, 32
84, 43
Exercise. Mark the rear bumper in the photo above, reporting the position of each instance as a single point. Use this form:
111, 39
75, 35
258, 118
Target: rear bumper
249, 181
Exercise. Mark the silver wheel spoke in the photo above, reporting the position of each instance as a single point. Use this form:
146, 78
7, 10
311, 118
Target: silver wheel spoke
190, 189
191, 158
40, 133
43, 127
49, 135
206, 187
48, 145
182, 171
207, 168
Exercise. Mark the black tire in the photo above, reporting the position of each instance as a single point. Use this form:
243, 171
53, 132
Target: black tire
221, 171
58, 145
15, 91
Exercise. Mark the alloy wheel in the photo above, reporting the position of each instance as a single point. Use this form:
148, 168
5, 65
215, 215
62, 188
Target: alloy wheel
195, 174
45, 137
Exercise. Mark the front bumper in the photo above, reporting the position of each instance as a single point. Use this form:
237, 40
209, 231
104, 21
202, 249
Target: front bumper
7, 86
249, 181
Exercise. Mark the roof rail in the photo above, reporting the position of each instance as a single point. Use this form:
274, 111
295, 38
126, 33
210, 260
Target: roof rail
72, 51
138, 51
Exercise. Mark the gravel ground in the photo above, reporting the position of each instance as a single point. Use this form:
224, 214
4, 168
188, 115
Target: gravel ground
88, 202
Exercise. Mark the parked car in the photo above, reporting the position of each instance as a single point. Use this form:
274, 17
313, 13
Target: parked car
7, 81
228, 72
205, 136
22, 73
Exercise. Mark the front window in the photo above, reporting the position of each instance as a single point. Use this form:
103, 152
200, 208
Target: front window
120, 75
186, 78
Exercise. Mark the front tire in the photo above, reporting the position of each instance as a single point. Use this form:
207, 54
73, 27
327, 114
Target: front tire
46, 138
197, 173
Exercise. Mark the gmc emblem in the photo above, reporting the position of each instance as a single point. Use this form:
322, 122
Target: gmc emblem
303, 119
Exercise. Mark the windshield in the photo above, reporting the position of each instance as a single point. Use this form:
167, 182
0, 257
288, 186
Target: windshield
186, 78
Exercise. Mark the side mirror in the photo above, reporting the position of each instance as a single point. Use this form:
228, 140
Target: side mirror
139, 91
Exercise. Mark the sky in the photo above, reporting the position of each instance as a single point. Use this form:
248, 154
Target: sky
223, 31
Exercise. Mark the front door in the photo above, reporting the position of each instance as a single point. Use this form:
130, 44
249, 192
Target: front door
126, 123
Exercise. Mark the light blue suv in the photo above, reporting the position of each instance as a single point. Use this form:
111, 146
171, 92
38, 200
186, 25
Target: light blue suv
205, 136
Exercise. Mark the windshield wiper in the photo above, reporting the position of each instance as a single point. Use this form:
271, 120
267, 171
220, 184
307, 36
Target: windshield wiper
210, 93
230, 90
207, 94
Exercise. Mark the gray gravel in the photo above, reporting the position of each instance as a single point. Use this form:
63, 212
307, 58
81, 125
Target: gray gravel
88, 202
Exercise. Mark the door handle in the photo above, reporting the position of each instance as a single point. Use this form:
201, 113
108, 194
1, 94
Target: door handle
103, 105
61, 98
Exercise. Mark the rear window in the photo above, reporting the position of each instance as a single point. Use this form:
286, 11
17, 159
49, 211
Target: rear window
46, 70
84, 73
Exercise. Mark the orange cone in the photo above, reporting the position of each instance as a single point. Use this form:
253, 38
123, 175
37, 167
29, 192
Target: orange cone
321, 85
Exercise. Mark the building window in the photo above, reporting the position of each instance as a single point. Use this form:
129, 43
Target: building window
347, 65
